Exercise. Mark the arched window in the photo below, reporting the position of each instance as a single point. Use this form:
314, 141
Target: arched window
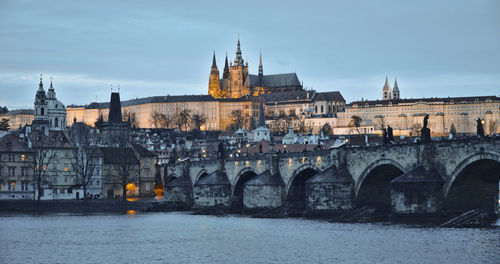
42, 111
321, 109
56, 122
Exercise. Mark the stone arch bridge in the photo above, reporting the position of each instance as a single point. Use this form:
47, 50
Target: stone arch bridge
466, 162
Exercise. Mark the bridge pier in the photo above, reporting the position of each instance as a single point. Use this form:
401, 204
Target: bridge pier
264, 192
329, 192
418, 192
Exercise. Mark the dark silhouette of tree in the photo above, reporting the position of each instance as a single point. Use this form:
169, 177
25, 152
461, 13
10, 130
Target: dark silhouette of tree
4, 124
160, 120
4, 110
236, 119
99, 122
198, 121
182, 119
44, 156
131, 118
327, 129
355, 122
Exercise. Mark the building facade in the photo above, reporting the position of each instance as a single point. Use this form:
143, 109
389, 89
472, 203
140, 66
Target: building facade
446, 115
16, 169
18, 118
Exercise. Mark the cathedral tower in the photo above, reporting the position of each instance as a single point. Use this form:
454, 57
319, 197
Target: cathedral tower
238, 73
386, 91
214, 88
395, 90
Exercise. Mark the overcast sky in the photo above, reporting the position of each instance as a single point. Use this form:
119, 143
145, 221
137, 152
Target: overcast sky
434, 48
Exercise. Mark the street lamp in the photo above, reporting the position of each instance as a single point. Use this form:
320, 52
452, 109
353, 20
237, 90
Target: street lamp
305, 144
284, 148
248, 145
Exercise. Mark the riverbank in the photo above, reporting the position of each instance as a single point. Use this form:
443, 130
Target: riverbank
74, 206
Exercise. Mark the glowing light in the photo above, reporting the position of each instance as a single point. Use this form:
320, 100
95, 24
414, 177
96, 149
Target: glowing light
131, 212
132, 199
131, 187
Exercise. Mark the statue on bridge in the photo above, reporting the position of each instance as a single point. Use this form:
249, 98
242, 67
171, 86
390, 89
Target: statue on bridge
479, 128
390, 136
220, 150
387, 135
425, 132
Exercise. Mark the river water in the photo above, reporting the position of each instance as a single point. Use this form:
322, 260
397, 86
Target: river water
185, 238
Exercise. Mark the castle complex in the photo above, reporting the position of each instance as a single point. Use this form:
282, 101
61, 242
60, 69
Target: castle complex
237, 82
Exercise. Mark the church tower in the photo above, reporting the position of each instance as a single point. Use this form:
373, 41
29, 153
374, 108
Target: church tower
41, 118
386, 91
238, 73
214, 88
395, 90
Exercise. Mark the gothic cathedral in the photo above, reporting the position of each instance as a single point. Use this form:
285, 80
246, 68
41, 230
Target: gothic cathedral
236, 82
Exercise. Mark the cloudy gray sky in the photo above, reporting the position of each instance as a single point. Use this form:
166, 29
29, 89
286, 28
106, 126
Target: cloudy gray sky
434, 48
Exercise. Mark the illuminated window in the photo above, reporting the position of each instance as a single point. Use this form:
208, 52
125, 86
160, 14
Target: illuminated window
22, 157
66, 169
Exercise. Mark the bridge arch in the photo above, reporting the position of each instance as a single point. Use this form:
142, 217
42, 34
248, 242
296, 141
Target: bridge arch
298, 171
371, 167
296, 188
203, 173
473, 184
237, 188
466, 162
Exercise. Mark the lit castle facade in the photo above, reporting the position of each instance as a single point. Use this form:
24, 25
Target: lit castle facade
237, 82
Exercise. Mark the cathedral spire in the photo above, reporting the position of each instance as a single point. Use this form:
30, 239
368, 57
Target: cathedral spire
261, 70
214, 63
40, 85
51, 87
395, 90
238, 61
225, 74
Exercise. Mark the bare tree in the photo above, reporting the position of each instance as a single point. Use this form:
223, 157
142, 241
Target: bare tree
327, 129
87, 158
198, 120
131, 118
159, 120
4, 124
126, 164
183, 118
44, 156
236, 119
355, 122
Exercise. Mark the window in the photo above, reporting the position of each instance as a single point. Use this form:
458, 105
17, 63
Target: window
56, 122
42, 111
66, 169
12, 186
12, 171
316, 109
23, 157
148, 161
97, 183
322, 109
